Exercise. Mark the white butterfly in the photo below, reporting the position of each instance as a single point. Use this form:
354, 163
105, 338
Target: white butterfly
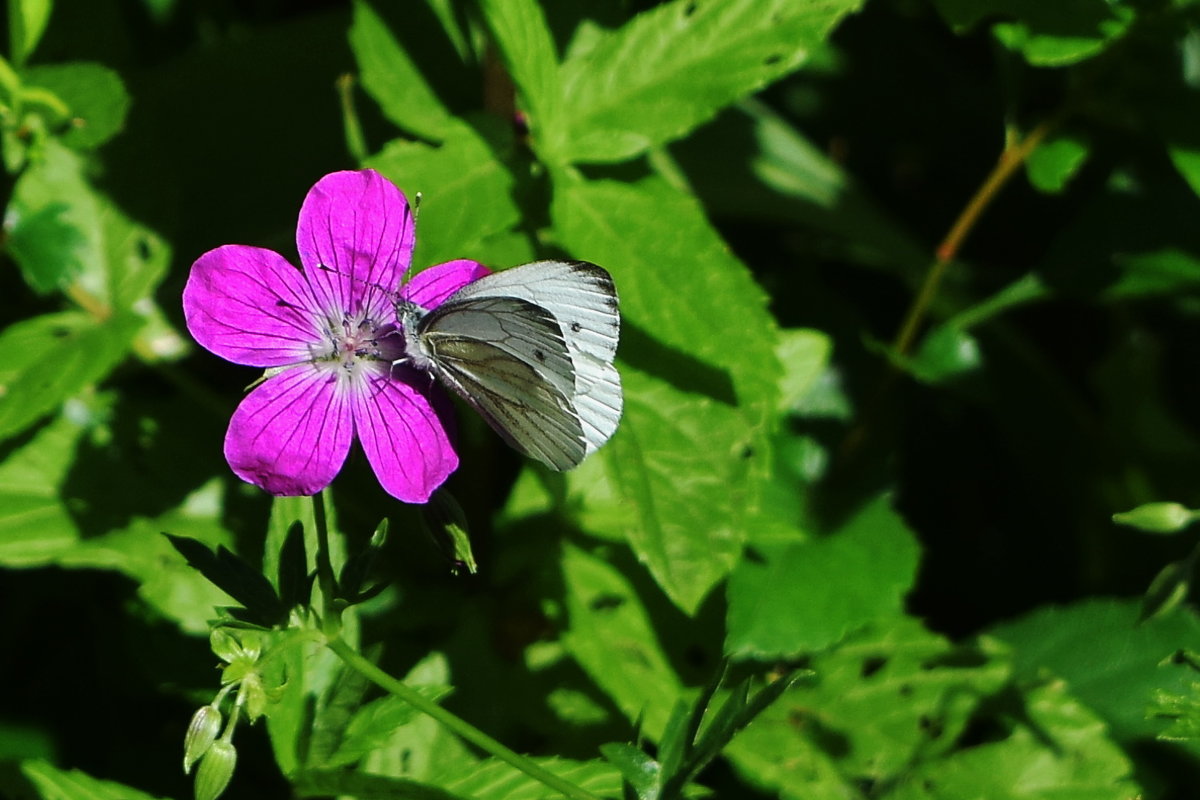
531, 349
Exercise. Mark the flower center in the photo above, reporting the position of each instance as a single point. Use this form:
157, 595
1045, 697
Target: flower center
354, 341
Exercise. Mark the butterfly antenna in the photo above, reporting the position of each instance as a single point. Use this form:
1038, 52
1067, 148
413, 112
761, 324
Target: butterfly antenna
389, 292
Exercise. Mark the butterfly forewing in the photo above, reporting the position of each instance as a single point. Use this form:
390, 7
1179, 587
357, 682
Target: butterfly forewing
531, 349
522, 330
527, 410
582, 300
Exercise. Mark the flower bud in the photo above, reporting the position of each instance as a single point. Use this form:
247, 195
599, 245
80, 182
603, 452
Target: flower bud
215, 770
1157, 517
201, 733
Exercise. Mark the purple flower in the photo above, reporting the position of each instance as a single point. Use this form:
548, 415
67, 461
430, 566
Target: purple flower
327, 335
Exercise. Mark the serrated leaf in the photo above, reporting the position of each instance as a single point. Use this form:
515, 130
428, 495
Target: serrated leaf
675, 66
611, 637
465, 192
35, 525
391, 77
881, 702
52, 783
233, 575
799, 597
689, 460
1046, 34
364, 786
1181, 710
497, 780
95, 95
111, 260
1056, 749
48, 359
375, 722
1109, 659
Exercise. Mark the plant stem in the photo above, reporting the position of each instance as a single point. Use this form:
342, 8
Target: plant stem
1011, 158
1013, 155
455, 724
330, 615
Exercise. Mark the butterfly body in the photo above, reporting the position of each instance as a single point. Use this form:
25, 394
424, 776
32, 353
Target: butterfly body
531, 349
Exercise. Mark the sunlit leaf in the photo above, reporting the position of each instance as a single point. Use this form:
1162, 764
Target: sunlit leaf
391, 77
700, 374
791, 598
674, 66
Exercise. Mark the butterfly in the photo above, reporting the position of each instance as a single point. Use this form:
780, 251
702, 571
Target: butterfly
531, 349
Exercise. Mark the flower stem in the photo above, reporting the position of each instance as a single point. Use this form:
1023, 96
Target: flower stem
456, 724
330, 614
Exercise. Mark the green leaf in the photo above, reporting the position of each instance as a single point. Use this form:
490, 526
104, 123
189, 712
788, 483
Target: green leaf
804, 355
945, 353
1110, 661
48, 359
52, 783
375, 722
364, 786
799, 597
465, 192
520, 32
232, 574
1052, 164
35, 525
611, 637
390, 76
294, 581
422, 749
1046, 34
494, 779
674, 67
638, 769
1182, 710
27, 21
95, 95
1056, 749
78, 236
880, 703
689, 461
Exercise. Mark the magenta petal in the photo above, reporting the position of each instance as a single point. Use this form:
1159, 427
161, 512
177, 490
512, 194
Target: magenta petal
291, 434
250, 306
355, 238
403, 436
429, 288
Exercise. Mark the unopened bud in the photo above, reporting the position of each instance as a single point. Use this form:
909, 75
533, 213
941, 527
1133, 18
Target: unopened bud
1157, 517
215, 770
201, 733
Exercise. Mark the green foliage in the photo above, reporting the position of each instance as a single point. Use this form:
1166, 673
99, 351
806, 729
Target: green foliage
794, 489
